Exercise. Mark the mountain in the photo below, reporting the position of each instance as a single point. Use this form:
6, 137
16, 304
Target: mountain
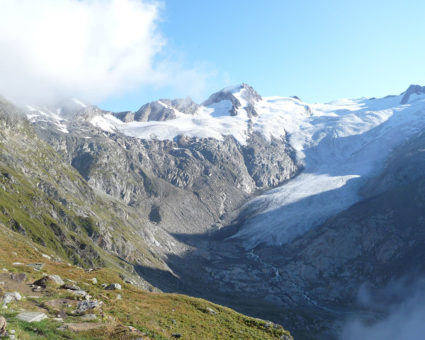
278, 208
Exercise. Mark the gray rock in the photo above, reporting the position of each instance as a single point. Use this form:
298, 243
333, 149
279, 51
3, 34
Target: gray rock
211, 311
84, 306
36, 266
113, 286
80, 293
49, 279
70, 287
11, 296
31, 316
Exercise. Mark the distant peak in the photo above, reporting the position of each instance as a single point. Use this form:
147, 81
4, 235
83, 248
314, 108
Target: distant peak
412, 89
235, 94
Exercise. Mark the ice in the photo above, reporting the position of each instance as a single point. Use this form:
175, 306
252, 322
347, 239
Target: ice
341, 145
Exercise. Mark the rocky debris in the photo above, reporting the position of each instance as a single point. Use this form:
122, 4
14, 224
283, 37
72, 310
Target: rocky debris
55, 280
82, 327
36, 266
85, 305
113, 286
31, 316
3, 325
18, 277
9, 297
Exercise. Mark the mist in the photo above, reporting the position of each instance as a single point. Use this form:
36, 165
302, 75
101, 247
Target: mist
90, 49
402, 305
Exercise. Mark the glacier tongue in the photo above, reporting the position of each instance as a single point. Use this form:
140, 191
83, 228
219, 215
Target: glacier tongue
341, 145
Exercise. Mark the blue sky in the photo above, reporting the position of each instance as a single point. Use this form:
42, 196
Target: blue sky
318, 50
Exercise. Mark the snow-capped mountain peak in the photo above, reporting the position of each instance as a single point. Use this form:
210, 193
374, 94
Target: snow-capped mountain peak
412, 91
240, 97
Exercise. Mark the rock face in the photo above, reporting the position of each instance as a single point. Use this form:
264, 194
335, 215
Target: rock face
160, 110
413, 89
247, 93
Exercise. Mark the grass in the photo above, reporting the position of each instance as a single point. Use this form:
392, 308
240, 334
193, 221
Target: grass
157, 315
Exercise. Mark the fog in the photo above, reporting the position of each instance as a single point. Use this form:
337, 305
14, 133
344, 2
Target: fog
89, 49
402, 305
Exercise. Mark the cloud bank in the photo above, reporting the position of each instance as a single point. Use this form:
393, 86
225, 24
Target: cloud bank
403, 302
89, 49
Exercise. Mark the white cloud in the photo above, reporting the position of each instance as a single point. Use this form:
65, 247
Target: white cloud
402, 302
85, 48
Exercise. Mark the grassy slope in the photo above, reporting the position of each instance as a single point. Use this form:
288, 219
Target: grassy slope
157, 315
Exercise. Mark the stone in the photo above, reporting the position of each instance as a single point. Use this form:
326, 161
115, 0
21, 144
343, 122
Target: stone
113, 286
70, 287
31, 316
176, 335
211, 311
3, 325
36, 266
119, 297
49, 279
58, 319
80, 293
94, 281
9, 297
46, 256
84, 306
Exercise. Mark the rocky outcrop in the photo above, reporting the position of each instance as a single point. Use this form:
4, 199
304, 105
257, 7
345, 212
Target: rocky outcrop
246, 93
413, 89
160, 110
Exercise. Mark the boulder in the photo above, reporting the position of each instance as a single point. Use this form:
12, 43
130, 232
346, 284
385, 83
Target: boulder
31, 316
113, 286
47, 280
70, 287
84, 306
9, 297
